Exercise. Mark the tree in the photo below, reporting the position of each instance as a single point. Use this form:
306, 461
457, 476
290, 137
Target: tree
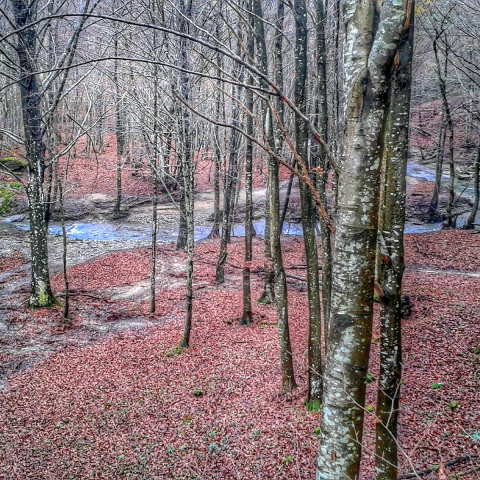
390, 275
273, 204
309, 217
35, 123
247, 293
373, 34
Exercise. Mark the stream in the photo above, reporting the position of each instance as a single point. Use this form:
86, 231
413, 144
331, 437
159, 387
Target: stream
143, 234
111, 232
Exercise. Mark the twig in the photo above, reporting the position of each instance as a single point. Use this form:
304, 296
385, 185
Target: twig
435, 467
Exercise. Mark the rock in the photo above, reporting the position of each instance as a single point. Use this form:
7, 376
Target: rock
6, 191
15, 218
4, 201
14, 164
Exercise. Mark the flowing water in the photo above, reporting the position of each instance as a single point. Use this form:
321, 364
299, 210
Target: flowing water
111, 232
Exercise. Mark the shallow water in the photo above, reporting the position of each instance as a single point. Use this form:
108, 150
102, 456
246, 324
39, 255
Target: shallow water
111, 232
415, 170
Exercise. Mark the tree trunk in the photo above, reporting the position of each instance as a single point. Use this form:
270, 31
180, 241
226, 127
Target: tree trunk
370, 52
184, 129
154, 169
287, 199
187, 168
66, 305
476, 186
390, 274
41, 293
217, 152
268, 295
309, 217
449, 126
119, 130
230, 185
247, 292
281, 293
322, 128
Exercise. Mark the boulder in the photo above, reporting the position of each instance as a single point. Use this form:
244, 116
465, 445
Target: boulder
14, 164
6, 191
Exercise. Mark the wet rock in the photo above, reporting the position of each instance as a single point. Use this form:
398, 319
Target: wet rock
15, 218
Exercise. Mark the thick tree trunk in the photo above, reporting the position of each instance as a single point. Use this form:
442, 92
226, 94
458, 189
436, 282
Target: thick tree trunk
391, 226
309, 217
370, 52
41, 292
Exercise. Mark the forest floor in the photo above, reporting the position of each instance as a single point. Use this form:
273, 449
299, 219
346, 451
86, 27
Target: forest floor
109, 394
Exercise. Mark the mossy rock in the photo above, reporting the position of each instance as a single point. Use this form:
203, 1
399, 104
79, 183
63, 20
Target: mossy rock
13, 187
14, 164
6, 191
476, 350
5, 206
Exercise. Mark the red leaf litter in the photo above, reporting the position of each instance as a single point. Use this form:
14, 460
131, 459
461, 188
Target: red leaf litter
133, 406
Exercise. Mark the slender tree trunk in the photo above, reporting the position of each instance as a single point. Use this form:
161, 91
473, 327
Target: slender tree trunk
278, 55
281, 293
391, 227
370, 52
230, 186
66, 305
451, 181
247, 293
182, 238
449, 126
322, 128
309, 217
187, 167
476, 187
119, 130
188, 170
432, 209
268, 295
215, 232
49, 198
154, 169
287, 200
41, 293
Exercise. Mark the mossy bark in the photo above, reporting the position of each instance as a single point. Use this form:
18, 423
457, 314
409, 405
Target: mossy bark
41, 292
